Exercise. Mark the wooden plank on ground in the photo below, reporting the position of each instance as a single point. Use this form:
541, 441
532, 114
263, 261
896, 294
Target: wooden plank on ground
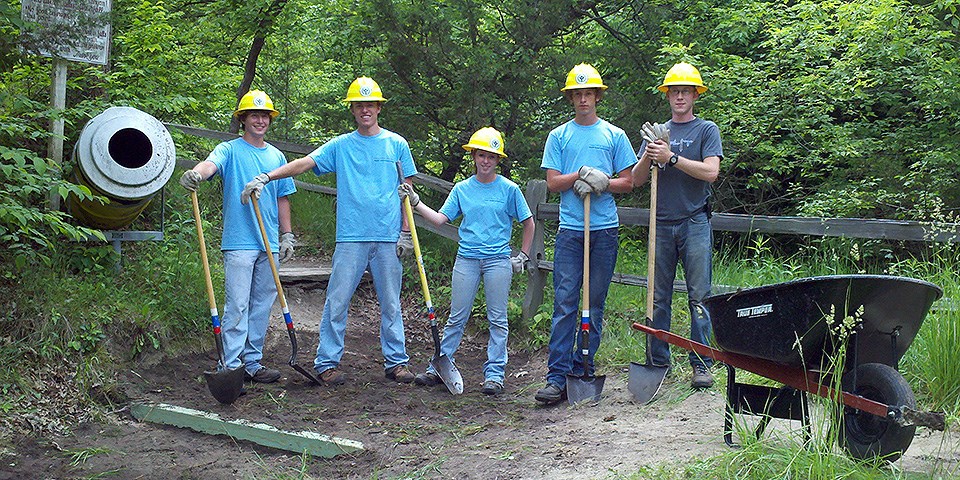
310, 274
311, 443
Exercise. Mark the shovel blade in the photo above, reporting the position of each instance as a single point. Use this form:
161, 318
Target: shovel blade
225, 385
645, 381
584, 389
448, 373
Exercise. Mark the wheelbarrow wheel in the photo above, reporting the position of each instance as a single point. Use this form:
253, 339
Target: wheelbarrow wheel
865, 435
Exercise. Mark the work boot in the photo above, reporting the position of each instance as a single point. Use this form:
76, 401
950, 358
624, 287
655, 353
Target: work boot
399, 373
264, 375
332, 376
492, 387
702, 378
427, 379
550, 394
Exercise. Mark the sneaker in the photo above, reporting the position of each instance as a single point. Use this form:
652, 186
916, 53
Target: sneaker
331, 376
264, 375
550, 394
399, 373
492, 387
427, 379
702, 378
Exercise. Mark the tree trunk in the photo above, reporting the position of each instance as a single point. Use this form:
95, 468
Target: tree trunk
264, 27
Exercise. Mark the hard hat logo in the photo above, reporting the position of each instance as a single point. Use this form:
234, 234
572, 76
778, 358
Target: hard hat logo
366, 90
487, 139
583, 76
256, 100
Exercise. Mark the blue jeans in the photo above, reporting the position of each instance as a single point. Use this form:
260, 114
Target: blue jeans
496, 273
350, 259
250, 293
690, 243
565, 355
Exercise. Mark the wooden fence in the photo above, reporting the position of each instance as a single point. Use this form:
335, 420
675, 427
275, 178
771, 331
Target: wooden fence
536, 197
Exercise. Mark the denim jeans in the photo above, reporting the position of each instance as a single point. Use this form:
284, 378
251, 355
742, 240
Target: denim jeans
350, 259
690, 243
496, 273
565, 355
250, 293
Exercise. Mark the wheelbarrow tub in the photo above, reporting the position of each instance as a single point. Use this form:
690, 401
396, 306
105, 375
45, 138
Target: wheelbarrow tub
787, 322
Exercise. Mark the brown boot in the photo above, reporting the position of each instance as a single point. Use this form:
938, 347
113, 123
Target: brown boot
399, 373
332, 376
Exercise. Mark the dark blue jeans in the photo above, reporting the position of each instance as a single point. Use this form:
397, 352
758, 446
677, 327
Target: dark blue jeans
565, 355
691, 244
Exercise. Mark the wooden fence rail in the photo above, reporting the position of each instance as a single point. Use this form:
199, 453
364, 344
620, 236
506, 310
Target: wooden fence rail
536, 197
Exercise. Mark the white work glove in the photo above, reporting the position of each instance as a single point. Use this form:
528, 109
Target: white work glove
405, 244
287, 241
653, 132
598, 180
191, 180
254, 187
406, 190
582, 188
519, 262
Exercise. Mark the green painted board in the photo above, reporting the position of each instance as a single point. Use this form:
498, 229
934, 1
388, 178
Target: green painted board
310, 443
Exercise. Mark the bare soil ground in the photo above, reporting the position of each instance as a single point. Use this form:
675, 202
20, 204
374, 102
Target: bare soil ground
408, 431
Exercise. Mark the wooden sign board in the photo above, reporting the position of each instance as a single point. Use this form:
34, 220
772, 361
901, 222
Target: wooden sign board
77, 30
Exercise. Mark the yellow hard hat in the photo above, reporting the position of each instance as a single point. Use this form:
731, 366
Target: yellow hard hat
364, 89
583, 76
487, 139
256, 100
683, 74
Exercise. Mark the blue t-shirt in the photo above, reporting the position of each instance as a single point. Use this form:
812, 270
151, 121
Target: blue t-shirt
680, 196
368, 206
488, 210
602, 146
237, 163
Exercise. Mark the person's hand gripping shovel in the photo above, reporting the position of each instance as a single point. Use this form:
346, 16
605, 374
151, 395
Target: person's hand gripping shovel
646, 379
225, 385
585, 387
291, 331
441, 363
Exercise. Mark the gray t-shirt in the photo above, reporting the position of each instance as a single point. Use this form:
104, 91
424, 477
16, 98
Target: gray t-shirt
680, 196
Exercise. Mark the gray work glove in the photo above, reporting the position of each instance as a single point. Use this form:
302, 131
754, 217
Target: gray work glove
254, 187
405, 244
653, 132
582, 188
520, 262
598, 180
191, 180
406, 190
287, 241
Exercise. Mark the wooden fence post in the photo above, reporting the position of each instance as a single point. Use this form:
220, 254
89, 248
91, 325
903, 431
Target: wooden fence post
536, 278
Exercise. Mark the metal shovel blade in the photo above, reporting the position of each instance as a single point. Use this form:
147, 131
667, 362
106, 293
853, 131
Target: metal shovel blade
645, 381
225, 385
448, 373
584, 389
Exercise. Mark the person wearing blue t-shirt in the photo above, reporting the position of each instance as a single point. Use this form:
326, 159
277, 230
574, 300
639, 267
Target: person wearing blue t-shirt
249, 286
371, 233
689, 164
579, 158
489, 204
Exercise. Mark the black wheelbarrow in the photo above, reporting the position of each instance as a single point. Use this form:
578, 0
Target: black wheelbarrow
794, 332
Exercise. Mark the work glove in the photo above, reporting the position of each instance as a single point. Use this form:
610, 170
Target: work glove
520, 262
653, 132
254, 187
582, 188
287, 241
406, 190
191, 180
405, 244
598, 180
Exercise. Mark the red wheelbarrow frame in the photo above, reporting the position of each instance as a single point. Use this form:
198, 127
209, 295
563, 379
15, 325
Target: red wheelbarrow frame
801, 379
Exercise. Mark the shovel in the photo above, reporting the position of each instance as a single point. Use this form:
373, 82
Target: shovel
585, 387
441, 363
225, 385
291, 331
645, 379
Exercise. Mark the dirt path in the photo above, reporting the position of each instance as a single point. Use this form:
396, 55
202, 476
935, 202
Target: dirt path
407, 431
